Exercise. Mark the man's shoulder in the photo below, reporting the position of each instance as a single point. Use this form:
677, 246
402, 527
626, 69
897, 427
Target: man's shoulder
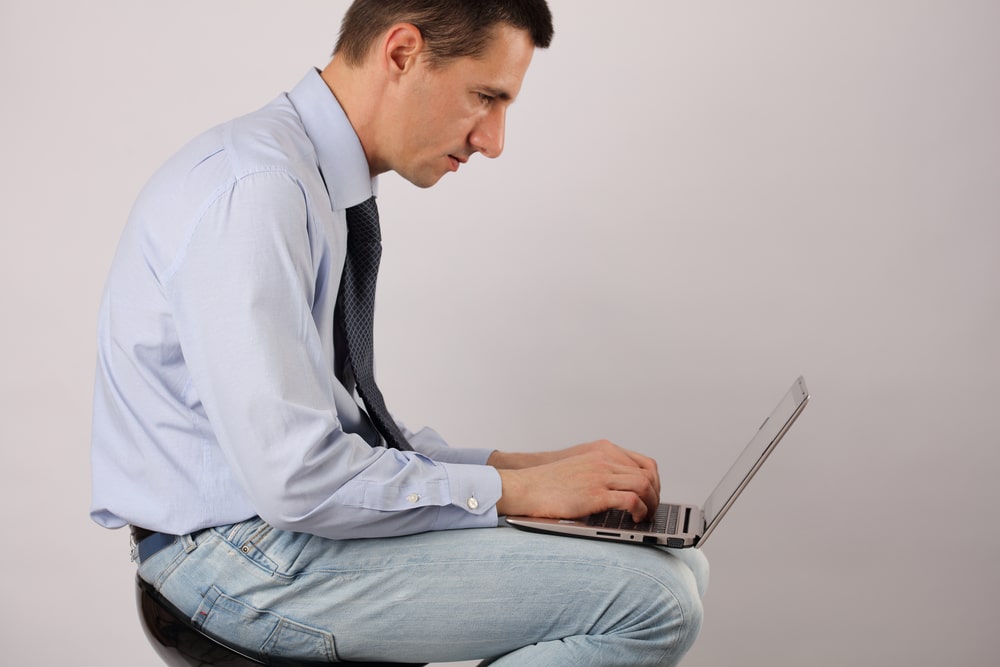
271, 138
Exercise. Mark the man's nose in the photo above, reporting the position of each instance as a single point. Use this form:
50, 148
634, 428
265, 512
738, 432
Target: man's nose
488, 135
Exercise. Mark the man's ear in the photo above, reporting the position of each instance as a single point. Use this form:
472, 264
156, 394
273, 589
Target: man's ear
402, 46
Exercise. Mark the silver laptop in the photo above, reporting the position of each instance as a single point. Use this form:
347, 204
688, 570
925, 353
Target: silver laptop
685, 525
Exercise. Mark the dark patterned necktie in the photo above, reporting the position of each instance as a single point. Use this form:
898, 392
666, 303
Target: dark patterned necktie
357, 314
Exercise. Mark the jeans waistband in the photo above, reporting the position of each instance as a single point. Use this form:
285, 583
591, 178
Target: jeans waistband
146, 543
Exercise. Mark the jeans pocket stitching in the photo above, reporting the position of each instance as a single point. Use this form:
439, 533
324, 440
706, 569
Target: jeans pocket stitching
278, 636
256, 537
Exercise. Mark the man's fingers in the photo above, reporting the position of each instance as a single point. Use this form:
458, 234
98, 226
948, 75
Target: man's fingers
635, 460
634, 492
648, 465
628, 502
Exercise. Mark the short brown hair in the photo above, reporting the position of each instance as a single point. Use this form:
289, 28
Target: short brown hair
450, 28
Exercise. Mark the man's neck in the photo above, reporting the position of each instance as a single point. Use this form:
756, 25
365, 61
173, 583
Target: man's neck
358, 97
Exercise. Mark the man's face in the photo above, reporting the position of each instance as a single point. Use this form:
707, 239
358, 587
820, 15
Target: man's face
447, 114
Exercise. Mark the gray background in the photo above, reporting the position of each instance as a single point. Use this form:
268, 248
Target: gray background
699, 201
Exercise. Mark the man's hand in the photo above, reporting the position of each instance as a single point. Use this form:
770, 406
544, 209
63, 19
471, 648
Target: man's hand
577, 481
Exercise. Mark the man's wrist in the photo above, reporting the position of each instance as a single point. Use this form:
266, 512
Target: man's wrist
509, 492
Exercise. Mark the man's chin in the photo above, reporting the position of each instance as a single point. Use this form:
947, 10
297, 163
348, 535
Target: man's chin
422, 180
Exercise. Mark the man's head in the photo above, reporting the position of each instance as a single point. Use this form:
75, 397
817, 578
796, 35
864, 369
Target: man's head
427, 83
450, 28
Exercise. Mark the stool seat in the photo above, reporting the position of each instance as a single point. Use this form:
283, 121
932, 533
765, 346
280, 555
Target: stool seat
179, 643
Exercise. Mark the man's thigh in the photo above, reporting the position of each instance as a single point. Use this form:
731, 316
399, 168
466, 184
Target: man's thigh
442, 596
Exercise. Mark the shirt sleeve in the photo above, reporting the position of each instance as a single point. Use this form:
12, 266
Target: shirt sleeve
429, 442
242, 294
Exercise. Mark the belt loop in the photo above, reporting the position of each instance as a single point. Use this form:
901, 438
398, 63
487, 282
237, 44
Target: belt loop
145, 543
189, 543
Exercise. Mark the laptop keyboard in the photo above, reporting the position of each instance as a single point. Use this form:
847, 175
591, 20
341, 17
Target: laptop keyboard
665, 520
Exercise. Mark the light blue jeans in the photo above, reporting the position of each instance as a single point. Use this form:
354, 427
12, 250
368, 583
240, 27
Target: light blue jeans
519, 598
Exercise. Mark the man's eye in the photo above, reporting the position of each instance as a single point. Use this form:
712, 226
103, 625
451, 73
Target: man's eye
485, 99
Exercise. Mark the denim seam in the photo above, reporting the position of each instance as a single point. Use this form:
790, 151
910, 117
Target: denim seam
189, 546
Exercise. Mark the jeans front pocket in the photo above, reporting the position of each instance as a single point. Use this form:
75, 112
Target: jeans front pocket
262, 631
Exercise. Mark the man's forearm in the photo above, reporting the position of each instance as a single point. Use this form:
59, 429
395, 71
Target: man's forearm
518, 460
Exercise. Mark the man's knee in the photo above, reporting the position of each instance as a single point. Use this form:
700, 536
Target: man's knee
698, 564
685, 629
682, 612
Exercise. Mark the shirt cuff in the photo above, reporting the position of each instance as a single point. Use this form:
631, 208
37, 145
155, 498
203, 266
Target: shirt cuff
475, 491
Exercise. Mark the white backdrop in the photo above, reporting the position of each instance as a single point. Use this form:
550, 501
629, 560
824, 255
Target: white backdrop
698, 202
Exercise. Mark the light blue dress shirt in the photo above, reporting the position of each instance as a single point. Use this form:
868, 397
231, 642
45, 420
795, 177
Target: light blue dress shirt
215, 398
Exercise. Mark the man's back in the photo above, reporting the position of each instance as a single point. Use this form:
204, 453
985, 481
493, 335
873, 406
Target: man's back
151, 426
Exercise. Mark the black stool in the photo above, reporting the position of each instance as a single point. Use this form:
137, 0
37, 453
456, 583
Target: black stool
181, 644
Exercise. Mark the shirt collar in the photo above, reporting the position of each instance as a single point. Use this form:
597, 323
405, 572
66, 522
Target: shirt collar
338, 150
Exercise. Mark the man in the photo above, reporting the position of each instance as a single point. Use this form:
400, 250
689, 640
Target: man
238, 428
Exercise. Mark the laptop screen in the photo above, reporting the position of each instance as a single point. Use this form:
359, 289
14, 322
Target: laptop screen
753, 455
